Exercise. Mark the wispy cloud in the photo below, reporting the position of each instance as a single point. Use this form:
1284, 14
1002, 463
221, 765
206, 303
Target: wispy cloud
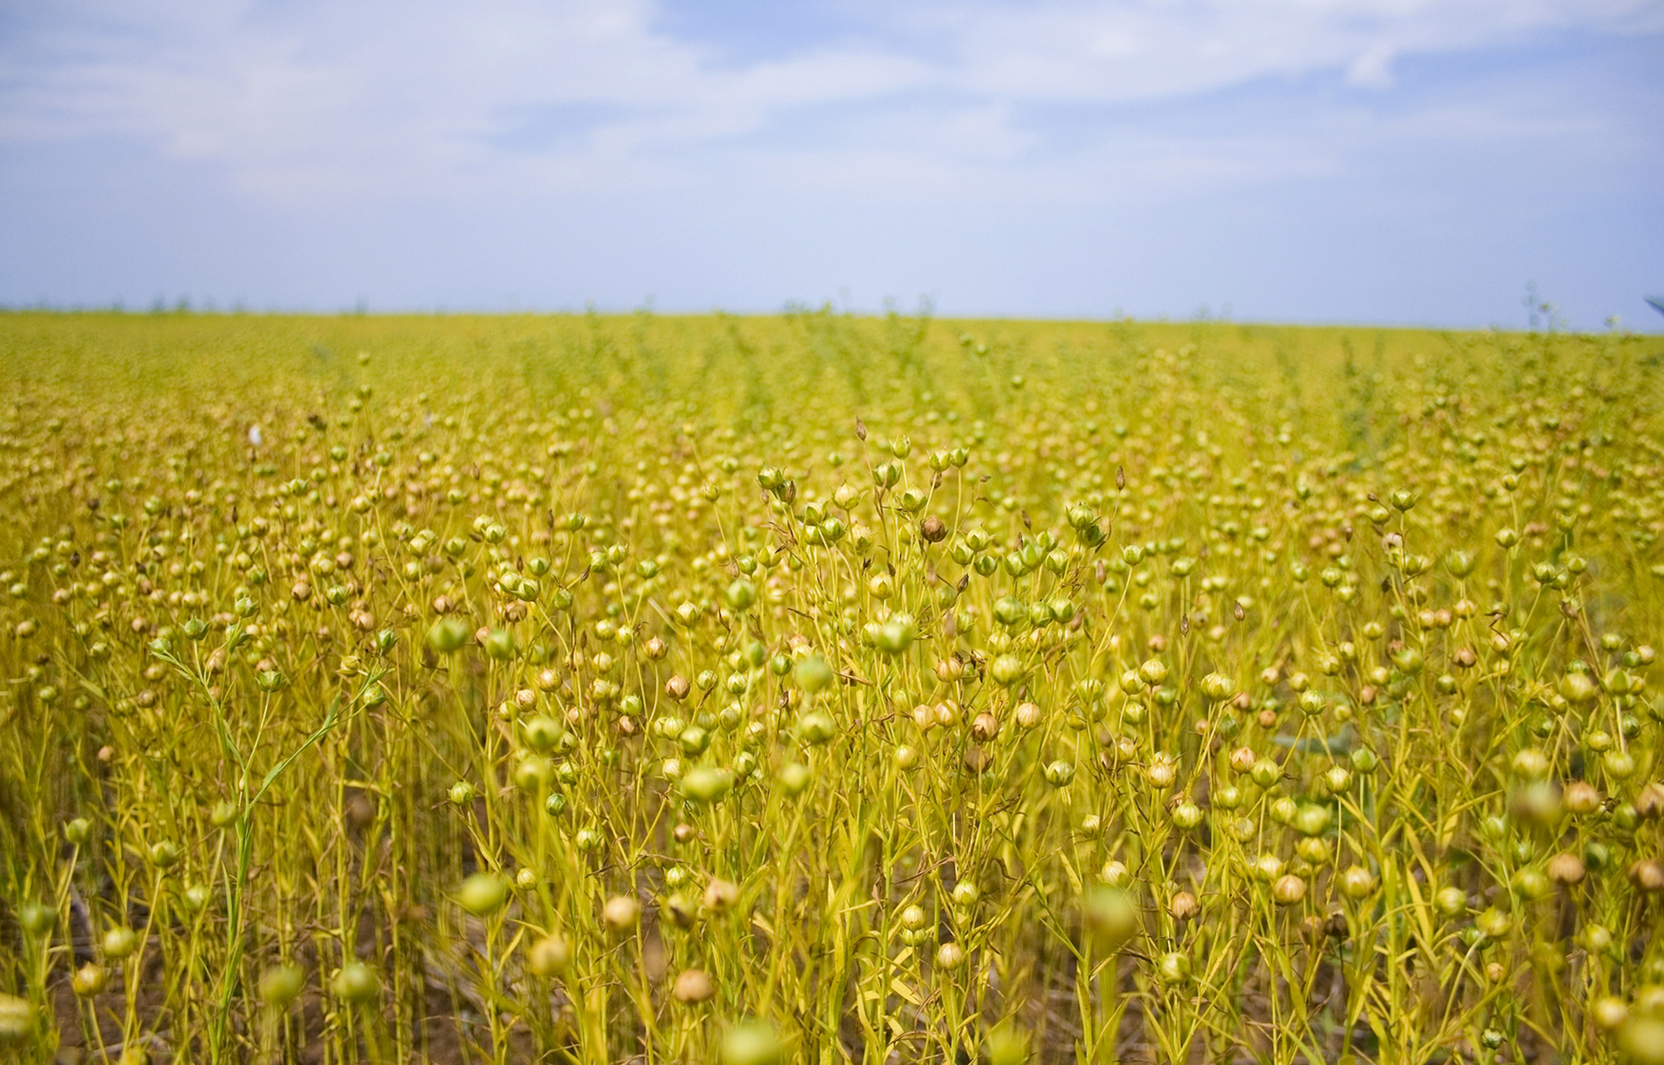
431, 99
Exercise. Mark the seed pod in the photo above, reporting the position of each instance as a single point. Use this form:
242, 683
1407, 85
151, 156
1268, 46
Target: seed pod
1581, 797
706, 784
817, 727
1288, 890
1183, 906
1649, 801
950, 956
447, 636
1173, 967
985, 727
752, 1043
549, 956
1059, 773
1530, 764
1608, 1012
621, 912
90, 979
483, 894
1578, 689
1642, 1038
1451, 902
1357, 882
1110, 918
17, 1020
693, 985
36, 919
281, 985
721, 895
1218, 687
119, 942
1647, 874
355, 983
1566, 868
1006, 670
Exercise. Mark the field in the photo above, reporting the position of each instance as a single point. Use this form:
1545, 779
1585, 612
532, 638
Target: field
817, 689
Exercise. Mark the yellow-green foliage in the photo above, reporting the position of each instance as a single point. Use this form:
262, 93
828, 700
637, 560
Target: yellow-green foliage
817, 689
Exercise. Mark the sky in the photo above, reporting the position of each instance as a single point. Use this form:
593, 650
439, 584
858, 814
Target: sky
1401, 162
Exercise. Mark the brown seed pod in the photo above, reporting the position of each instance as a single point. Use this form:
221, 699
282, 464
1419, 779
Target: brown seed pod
1566, 868
721, 895
1183, 906
1647, 874
693, 985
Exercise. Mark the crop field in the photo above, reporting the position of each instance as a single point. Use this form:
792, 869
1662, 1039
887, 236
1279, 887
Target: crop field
818, 688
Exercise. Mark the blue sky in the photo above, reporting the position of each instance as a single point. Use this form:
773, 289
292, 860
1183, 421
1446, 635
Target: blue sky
1381, 161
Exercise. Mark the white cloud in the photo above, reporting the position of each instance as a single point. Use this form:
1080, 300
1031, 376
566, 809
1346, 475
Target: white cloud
325, 100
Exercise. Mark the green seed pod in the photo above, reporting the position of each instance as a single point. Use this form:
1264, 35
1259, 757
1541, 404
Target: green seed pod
542, 733
447, 636
895, 635
1174, 967
1312, 820
1006, 670
1530, 764
281, 985
1642, 1038
549, 956
499, 644
706, 784
1531, 884
752, 1043
1153, 672
740, 595
197, 897
1579, 689
1110, 918
1265, 772
1059, 773
794, 777
483, 894
17, 1020
1218, 687
119, 942
1619, 765
89, 980
1357, 882
1288, 890
1409, 661
813, 674
1451, 902
816, 727
355, 983
533, 772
